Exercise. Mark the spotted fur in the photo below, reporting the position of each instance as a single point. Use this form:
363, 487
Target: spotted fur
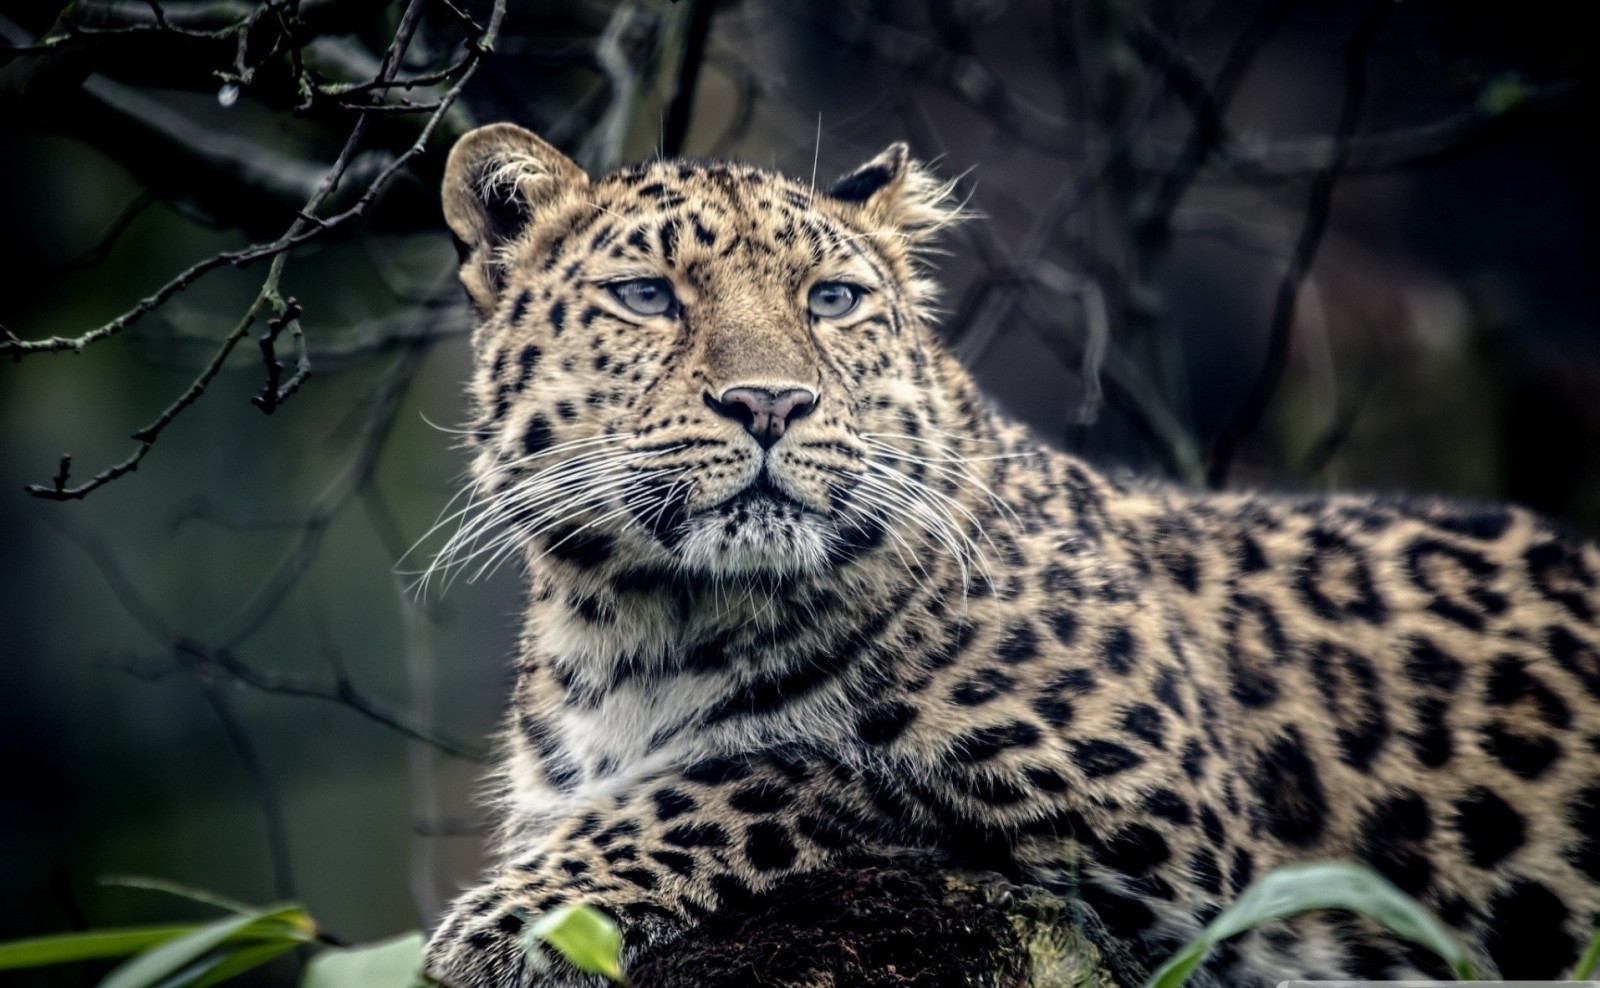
911, 626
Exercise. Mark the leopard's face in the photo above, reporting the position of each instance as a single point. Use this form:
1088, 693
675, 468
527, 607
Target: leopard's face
704, 366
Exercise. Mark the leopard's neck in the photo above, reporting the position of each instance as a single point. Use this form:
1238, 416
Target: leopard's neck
617, 641
624, 671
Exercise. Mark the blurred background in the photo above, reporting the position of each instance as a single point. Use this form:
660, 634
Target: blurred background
1300, 245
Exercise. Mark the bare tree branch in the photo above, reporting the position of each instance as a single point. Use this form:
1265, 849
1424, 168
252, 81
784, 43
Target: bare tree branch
266, 790
192, 653
195, 656
276, 390
383, 403
970, 343
1226, 446
1264, 162
307, 226
342, 692
1126, 389
1210, 105
94, 254
964, 76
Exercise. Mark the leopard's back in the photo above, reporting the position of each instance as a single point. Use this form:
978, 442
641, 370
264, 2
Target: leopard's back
1407, 683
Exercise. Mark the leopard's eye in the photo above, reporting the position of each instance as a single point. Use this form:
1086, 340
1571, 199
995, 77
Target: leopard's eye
832, 299
645, 296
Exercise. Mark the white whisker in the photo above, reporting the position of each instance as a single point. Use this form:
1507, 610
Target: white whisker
490, 526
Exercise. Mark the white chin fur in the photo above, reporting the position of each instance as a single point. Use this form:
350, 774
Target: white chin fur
760, 537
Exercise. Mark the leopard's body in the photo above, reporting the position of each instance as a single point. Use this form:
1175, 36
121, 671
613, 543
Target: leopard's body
907, 625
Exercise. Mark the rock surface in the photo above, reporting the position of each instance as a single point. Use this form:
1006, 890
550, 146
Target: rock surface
898, 926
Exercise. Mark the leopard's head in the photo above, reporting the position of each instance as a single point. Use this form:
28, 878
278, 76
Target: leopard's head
703, 365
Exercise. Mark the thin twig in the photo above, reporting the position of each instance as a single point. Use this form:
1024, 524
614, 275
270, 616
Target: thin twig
343, 692
972, 342
1210, 104
275, 392
194, 653
111, 234
305, 228
1262, 161
266, 791
59, 488
382, 406
1280, 331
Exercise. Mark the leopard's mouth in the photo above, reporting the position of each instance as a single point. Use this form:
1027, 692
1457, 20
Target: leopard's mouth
760, 510
761, 490
764, 494
759, 528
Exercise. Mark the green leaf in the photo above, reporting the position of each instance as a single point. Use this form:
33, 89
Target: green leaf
1589, 963
282, 924
226, 962
395, 963
236, 962
67, 947
179, 890
1297, 889
586, 937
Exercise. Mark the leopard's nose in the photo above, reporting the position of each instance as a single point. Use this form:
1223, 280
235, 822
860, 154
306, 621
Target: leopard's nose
765, 414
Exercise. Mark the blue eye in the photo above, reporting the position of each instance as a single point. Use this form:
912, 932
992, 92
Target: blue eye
645, 296
832, 299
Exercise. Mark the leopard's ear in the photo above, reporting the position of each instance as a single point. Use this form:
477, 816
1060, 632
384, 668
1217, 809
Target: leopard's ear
895, 191
497, 181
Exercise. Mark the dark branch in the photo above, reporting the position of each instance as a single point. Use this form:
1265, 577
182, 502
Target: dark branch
1209, 103
266, 790
1267, 162
276, 390
963, 76
383, 404
306, 227
676, 126
1281, 329
193, 654
214, 660
112, 233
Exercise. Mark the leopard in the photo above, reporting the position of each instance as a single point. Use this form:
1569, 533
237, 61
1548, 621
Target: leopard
798, 595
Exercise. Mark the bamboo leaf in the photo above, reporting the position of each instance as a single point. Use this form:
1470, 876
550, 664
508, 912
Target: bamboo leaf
236, 962
395, 963
90, 945
180, 890
282, 924
1303, 888
586, 937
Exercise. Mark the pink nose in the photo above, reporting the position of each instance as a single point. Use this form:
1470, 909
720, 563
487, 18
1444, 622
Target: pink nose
764, 414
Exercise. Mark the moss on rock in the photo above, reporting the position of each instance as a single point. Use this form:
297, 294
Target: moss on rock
896, 926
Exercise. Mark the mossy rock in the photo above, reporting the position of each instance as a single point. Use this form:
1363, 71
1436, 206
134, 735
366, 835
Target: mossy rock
898, 926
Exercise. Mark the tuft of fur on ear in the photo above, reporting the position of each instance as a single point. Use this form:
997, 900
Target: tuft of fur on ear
901, 195
903, 201
496, 182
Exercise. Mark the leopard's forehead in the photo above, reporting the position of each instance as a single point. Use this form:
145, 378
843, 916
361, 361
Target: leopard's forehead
661, 183
737, 204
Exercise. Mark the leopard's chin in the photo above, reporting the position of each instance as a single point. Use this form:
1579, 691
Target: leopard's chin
758, 531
